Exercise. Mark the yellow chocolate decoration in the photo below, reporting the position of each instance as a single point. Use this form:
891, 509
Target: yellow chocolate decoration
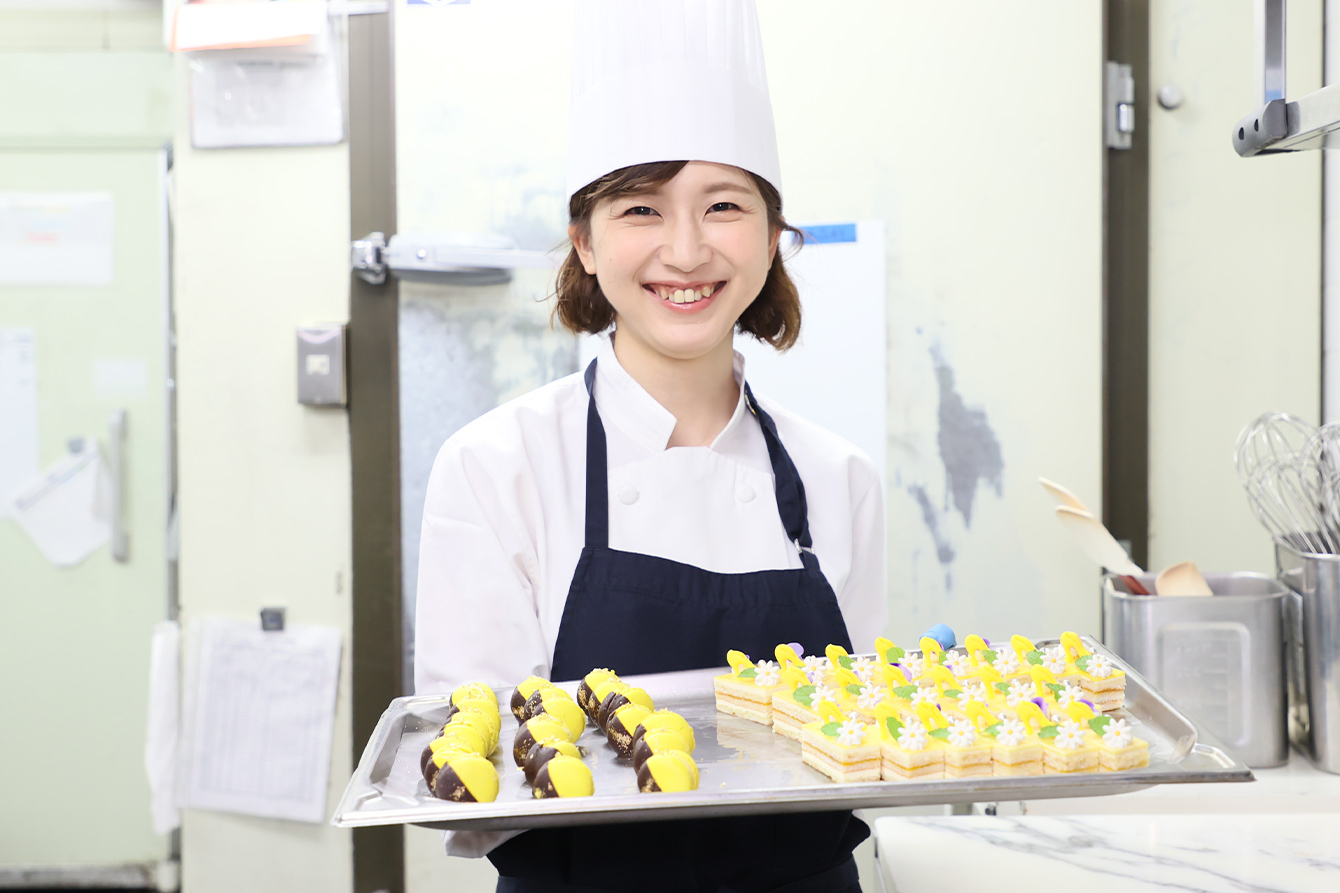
528, 685
883, 713
893, 676
846, 677
482, 708
882, 647
1028, 712
829, 712
1074, 648
974, 644
599, 675
1080, 712
474, 690
943, 675
671, 773
668, 719
931, 649
980, 715
833, 653
467, 734
989, 675
569, 777
1022, 645
1041, 676
794, 677
931, 716
558, 704
478, 775
738, 661
787, 657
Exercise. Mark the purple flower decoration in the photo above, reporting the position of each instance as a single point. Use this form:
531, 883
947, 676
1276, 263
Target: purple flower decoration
799, 649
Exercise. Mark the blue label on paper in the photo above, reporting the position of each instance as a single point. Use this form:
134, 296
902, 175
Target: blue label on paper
830, 232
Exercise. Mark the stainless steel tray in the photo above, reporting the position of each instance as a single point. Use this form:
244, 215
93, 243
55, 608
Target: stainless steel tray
745, 768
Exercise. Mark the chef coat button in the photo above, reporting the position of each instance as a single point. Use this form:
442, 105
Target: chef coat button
745, 493
628, 494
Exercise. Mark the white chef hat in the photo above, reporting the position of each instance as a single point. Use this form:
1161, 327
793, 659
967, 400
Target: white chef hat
669, 80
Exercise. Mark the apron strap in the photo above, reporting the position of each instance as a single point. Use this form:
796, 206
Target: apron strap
790, 489
597, 471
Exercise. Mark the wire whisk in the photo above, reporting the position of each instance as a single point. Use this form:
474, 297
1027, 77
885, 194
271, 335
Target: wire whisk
1291, 472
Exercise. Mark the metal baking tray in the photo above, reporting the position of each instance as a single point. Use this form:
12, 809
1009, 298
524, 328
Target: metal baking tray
745, 768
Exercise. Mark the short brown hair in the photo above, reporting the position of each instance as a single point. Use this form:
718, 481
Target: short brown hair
773, 316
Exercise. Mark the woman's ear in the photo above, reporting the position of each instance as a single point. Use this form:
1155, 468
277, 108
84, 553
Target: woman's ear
772, 244
580, 237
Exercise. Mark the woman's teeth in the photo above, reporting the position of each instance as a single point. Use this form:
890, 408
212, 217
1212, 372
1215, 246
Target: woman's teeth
684, 295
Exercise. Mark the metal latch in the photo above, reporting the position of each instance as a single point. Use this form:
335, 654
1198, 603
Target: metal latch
1118, 105
367, 258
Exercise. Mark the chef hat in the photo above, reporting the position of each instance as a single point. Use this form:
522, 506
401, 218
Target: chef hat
669, 80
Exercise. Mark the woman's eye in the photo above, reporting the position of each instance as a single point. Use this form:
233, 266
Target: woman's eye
639, 211
724, 206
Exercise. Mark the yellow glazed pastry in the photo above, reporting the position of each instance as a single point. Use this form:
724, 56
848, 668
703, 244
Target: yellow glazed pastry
1118, 748
1065, 748
747, 690
792, 707
1103, 683
906, 748
967, 754
844, 749
1014, 750
666, 719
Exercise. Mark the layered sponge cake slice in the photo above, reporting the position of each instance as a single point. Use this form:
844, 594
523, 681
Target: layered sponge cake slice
846, 750
747, 690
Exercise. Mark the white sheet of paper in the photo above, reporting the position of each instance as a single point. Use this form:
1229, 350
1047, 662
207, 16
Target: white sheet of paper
837, 375
160, 747
67, 510
56, 238
261, 719
19, 458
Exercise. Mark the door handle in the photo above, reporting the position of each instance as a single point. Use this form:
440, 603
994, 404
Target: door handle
116, 460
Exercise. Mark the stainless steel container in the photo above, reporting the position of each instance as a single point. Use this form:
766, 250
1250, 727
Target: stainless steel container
1220, 659
1312, 627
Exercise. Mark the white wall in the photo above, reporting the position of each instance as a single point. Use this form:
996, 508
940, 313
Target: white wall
1234, 278
262, 247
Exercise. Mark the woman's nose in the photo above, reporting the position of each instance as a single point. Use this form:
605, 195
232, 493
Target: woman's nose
686, 246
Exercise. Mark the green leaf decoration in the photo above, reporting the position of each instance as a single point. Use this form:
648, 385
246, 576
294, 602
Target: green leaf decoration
1055, 687
1099, 723
894, 654
940, 656
942, 734
905, 691
831, 729
1049, 732
1002, 687
1034, 657
894, 725
845, 662
992, 730
953, 693
805, 695
989, 656
748, 672
1083, 662
854, 689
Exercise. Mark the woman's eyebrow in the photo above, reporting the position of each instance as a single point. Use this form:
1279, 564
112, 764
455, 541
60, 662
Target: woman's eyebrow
727, 186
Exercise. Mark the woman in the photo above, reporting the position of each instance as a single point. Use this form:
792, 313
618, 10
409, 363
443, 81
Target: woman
650, 514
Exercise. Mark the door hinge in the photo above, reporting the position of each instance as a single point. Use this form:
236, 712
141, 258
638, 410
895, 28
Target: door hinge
1118, 105
367, 256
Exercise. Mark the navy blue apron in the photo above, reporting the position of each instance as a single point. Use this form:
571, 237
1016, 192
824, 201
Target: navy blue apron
641, 614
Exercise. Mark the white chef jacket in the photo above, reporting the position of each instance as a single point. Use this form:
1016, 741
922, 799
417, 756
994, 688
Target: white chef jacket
504, 518
504, 523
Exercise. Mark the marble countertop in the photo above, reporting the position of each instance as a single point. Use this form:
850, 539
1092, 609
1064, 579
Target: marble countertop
1096, 854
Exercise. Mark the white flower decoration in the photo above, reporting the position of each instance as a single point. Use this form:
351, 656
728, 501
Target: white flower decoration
956, 663
870, 695
1019, 691
962, 734
864, 666
1118, 734
768, 673
922, 696
814, 663
1011, 732
1069, 738
1006, 662
851, 734
914, 665
975, 691
1054, 660
1069, 693
822, 693
912, 736
1099, 667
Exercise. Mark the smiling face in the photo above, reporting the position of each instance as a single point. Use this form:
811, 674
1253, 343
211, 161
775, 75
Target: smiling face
681, 262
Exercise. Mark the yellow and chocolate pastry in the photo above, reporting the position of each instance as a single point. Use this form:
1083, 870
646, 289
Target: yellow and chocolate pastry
488, 724
672, 771
600, 691
586, 689
474, 690
559, 704
621, 725
466, 778
666, 719
655, 742
543, 752
563, 776
522, 693
537, 729
439, 749
616, 699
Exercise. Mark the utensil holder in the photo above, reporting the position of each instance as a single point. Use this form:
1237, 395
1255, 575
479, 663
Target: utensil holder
1312, 627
